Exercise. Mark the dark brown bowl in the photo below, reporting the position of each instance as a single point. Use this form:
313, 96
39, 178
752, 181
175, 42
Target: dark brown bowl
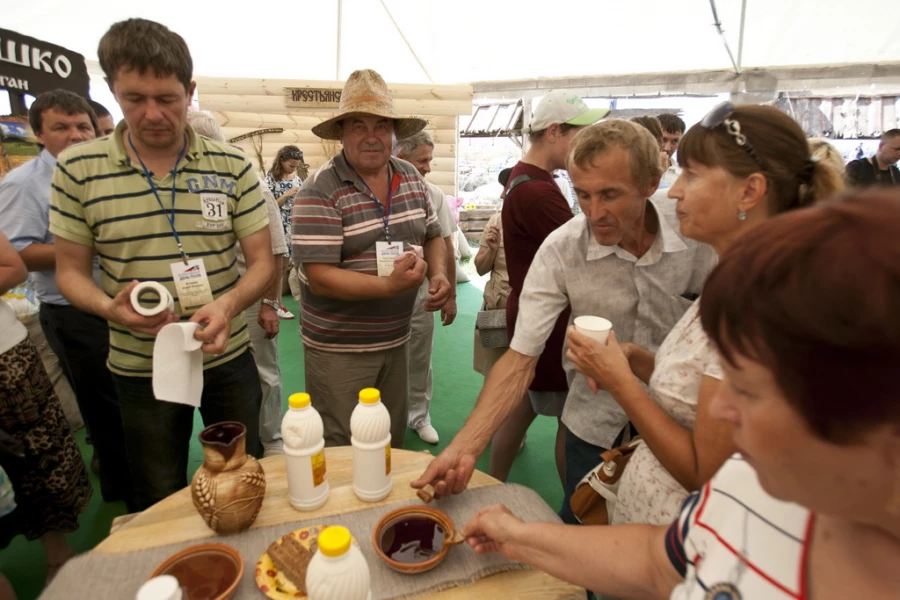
205, 571
451, 537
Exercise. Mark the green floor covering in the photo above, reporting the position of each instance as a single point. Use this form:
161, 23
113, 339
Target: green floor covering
456, 387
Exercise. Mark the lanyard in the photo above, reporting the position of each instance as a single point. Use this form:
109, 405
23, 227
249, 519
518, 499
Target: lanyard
386, 210
169, 218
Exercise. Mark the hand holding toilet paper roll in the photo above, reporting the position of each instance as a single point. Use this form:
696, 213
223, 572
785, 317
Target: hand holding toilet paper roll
178, 364
216, 327
143, 307
154, 290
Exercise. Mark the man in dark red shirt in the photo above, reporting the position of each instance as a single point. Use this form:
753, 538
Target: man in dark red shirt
535, 207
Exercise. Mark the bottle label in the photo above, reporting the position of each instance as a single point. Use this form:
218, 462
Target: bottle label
387, 459
318, 468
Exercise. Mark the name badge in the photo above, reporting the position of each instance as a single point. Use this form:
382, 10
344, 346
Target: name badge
385, 254
192, 285
214, 206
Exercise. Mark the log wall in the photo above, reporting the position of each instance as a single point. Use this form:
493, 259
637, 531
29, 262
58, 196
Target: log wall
244, 105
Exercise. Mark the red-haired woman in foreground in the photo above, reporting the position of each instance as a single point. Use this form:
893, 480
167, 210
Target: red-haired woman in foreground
804, 314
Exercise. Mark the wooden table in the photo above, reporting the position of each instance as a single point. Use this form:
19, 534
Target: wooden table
175, 520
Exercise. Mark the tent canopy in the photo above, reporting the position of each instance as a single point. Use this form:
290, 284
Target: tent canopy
462, 41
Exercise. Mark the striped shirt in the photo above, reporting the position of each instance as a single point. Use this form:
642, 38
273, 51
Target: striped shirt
100, 199
337, 221
735, 541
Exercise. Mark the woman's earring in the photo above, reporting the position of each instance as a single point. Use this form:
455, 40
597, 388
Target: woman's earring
742, 216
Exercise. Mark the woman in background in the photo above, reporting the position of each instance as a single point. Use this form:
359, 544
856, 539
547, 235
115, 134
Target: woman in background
491, 258
283, 180
823, 150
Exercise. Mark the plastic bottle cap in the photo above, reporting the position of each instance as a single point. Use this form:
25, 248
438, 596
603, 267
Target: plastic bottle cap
300, 400
334, 541
164, 587
369, 396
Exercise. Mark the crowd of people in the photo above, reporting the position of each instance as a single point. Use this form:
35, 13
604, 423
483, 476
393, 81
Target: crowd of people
750, 370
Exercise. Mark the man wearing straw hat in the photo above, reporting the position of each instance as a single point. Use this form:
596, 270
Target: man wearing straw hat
365, 236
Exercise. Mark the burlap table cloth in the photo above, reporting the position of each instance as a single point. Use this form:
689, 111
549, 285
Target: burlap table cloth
118, 576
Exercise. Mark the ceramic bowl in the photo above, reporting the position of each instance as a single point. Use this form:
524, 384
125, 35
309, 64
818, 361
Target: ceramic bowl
451, 537
205, 571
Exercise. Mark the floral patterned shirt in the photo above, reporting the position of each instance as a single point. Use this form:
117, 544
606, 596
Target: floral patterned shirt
647, 492
278, 188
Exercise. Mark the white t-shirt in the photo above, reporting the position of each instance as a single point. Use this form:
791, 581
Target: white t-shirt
12, 332
439, 203
734, 541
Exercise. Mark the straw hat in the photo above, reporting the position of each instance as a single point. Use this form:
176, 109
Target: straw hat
366, 93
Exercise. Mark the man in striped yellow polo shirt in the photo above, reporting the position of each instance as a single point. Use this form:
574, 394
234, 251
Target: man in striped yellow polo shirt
148, 199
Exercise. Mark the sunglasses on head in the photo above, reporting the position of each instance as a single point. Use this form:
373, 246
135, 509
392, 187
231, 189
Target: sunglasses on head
723, 115
295, 154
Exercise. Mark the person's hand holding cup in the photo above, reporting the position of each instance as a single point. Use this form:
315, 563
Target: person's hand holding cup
595, 352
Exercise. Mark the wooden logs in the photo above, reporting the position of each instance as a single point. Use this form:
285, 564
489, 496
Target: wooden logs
275, 87
275, 105
299, 120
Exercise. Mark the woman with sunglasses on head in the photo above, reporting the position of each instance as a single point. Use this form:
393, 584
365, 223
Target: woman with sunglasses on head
741, 166
284, 182
803, 313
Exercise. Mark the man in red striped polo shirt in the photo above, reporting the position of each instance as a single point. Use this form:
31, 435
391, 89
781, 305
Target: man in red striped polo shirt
365, 237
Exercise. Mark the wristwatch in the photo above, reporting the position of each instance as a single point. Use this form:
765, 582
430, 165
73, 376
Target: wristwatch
273, 303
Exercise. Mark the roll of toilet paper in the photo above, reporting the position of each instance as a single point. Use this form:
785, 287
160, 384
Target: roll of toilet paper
165, 298
178, 364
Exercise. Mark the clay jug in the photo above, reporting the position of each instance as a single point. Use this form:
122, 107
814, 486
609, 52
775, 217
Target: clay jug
228, 489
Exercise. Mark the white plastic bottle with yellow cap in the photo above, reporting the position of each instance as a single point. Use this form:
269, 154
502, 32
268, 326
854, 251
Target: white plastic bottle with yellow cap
304, 454
163, 587
370, 435
338, 570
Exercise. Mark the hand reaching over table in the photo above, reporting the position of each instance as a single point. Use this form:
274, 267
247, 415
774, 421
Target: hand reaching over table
494, 529
449, 473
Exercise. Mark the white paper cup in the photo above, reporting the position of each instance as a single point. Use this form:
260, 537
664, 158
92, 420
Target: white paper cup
597, 328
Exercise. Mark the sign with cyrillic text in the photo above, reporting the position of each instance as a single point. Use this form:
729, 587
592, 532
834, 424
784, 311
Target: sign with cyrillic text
312, 97
31, 66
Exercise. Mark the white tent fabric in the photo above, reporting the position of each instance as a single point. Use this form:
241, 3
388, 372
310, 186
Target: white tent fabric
462, 41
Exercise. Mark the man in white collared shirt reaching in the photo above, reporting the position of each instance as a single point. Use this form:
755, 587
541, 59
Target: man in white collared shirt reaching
623, 259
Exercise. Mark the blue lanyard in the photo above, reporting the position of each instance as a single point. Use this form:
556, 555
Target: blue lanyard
385, 212
169, 218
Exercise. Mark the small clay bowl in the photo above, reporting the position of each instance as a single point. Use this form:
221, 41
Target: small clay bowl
386, 532
205, 571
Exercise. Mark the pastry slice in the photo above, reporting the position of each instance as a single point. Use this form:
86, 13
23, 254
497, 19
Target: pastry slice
292, 559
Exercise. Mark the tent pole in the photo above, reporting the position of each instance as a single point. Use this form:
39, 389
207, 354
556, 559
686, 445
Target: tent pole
741, 37
405, 41
337, 68
718, 25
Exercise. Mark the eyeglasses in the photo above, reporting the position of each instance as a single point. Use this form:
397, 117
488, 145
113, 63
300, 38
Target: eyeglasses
722, 115
295, 154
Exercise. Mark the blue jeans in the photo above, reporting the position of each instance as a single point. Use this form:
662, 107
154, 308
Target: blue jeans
158, 433
581, 457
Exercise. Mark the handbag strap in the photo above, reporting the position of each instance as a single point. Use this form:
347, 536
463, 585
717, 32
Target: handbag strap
614, 461
520, 180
